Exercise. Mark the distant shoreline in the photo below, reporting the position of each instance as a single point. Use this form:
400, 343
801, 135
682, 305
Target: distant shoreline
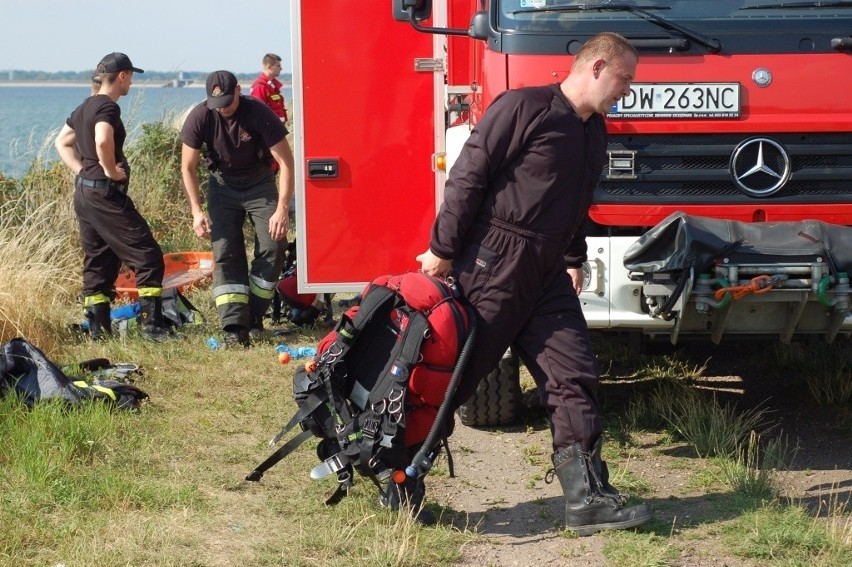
198, 84
78, 84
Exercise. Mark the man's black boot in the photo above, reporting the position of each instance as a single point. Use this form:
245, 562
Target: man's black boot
100, 322
151, 320
591, 503
237, 336
408, 495
256, 326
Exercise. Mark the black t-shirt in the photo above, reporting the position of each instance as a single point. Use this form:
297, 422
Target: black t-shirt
237, 146
97, 108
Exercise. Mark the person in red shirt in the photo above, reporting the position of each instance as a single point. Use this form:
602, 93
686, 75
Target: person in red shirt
267, 87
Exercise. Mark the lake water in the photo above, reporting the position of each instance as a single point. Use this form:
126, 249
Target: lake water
31, 116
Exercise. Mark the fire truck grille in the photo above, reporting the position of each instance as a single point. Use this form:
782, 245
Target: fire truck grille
701, 169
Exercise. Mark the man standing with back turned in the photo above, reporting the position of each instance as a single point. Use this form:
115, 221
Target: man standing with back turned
91, 144
510, 230
242, 137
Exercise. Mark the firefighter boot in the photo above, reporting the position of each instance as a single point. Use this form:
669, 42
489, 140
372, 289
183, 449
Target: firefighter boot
255, 326
591, 503
151, 320
257, 311
409, 496
100, 323
599, 465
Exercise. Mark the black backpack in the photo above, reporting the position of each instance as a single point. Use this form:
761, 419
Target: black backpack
379, 391
26, 371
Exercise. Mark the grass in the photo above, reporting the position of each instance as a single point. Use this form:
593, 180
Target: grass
164, 486
826, 369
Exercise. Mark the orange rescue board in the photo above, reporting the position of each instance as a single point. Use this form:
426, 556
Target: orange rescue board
184, 271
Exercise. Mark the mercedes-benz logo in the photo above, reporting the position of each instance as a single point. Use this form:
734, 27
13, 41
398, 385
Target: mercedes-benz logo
761, 77
760, 166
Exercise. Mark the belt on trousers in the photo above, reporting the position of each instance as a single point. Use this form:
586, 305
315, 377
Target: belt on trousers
100, 183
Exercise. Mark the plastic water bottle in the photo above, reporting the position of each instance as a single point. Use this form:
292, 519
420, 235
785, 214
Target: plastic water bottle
306, 352
296, 353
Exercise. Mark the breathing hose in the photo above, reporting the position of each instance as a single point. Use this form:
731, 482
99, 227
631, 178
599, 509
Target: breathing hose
421, 463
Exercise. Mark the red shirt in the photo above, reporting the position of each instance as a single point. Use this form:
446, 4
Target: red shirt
268, 89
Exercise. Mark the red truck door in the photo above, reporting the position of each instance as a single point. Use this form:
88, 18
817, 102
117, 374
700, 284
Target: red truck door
364, 134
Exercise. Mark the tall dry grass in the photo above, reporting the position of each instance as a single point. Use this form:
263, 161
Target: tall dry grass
39, 248
40, 254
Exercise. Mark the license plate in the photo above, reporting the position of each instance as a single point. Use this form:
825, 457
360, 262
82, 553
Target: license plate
679, 100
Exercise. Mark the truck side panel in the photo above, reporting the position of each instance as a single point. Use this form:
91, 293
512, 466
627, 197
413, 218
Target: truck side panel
365, 184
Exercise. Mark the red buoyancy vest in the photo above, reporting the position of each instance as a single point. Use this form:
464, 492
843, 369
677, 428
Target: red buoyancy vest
268, 89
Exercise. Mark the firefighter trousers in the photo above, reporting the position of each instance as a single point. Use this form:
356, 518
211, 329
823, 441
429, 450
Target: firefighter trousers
112, 231
524, 298
243, 293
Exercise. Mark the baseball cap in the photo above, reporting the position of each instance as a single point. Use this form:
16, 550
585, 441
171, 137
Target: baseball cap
220, 89
115, 62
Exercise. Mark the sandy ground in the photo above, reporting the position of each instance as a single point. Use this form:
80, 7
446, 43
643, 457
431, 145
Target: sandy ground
500, 488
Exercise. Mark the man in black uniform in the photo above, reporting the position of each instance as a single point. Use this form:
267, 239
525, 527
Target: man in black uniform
510, 229
242, 136
91, 144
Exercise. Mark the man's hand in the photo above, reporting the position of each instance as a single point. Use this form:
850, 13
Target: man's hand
278, 224
119, 175
577, 279
433, 266
201, 225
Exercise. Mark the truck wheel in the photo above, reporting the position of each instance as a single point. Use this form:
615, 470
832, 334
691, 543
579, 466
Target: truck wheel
497, 400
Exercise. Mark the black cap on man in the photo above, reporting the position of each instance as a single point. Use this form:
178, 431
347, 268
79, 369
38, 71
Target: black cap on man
115, 63
221, 86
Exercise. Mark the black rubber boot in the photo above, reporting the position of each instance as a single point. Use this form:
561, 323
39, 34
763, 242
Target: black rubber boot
100, 322
257, 311
591, 503
151, 324
256, 326
408, 495
237, 336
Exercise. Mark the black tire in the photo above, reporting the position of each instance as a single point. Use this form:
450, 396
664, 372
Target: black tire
497, 400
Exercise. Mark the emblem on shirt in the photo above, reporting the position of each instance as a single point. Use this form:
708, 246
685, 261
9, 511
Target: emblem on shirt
244, 136
481, 263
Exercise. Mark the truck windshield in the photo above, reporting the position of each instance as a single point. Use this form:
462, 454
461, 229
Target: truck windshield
729, 26
818, 4
644, 12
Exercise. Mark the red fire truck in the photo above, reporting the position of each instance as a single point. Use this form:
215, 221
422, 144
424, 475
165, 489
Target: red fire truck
738, 115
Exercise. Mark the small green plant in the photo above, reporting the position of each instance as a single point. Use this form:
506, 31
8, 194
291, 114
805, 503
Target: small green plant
655, 410
754, 473
830, 386
826, 369
713, 429
533, 454
786, 535
671, 367
630, 549
838, 520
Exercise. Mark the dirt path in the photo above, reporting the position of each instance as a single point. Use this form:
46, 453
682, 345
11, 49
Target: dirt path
500, 489
500, 485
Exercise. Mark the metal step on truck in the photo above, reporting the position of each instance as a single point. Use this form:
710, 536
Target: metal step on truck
726, 203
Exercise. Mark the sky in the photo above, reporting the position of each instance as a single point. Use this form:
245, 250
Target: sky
160, 35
